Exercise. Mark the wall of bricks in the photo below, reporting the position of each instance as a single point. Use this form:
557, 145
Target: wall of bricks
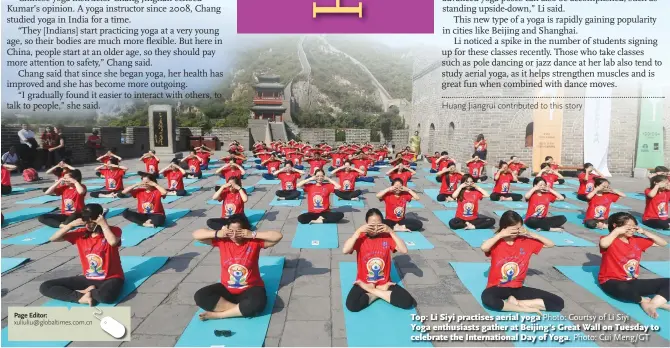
357, 135
400, 138
9, 137
317, 135
505, 130
228, 134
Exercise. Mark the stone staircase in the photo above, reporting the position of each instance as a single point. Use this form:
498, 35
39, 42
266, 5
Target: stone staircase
278, 131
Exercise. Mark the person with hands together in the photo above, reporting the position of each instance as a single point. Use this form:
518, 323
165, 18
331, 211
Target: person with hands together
502, 191
175, 178
347, 174
98, 247
113, 174
510, 250
449, 178
72, 193
401, 172
230, 170
467, 196
374, 244
194, 164
288, 176
108, 156
600, 200
476, 168
621, 253
396, 198
272, 164
150, 161
587, 181
318, 189
150, 211
241, 291
232, 197
657, 201
539, 197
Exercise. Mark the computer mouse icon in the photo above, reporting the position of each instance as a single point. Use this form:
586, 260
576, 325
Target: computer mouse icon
112, 327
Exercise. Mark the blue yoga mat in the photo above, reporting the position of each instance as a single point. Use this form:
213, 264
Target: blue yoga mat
415, 205
316, 236
392, 326
364, 184
19, 190
337, 203
137, 270
661, 268
41, 235
39, 200
285, 202
636, 195
25, 214
411, 184
268, 182
573, 182
565, 205
101, 200
249, 332
427, 170
374, 173
129, 174
432, 193
96, 181
415, 240
587, 277
512, 204
134, 234
475, 276
9, 263
431, 179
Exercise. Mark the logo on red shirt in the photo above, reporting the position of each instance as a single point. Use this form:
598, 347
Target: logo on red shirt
148, 207
589, 187
173, 184
318, 202
238, 276
347, 185
112, 183
630, 268
599, 212
662, 211
399, 212
69, 205
192, 169
375, 268
230, 209
539, 211
289, 185
152, 169
505, 187
468, 209
95, 269
509, 272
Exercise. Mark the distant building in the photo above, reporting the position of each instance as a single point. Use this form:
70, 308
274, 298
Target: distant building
268, 99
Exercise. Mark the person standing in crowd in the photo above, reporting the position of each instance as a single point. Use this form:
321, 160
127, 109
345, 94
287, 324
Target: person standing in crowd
49, 141
481, 147
11, 157
28, 148
94, 143
60, 150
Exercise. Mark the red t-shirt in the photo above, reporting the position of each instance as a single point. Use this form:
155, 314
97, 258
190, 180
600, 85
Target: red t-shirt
504, 183
538, 205
316, 164
381, 154
433, 162
296, 158
231, 172
373, 258
621, 261
599, 206
509, 263
396, 205
149, 202
93, 141
175, 179
468, 207
289, 181
554, 166
105, 159
264, 157
99, 260
550, 179
204, 156
231, 203
347, 180
272, 166
408, 157
113, 179
481, 147
443, 164
362, 165
318, 197
586, 186
515, 167
454, 181
404, 176
338, 159
6, 177
239, 264
71, 201
193, 165
475, 168
152, 164
657, 207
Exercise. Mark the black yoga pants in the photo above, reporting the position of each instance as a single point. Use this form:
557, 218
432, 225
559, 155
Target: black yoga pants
481, 178
140, 219
65, 289
494, 297
442, 197
546, 223
481, 222
411, 224
514, 196
6, 189
582, 198
218, 223
348, 195
524, 180
55, 220
252, 301
179, 192
657, 224
593, 223
329, 217
633, 290
97, 194
288, 194
358, 299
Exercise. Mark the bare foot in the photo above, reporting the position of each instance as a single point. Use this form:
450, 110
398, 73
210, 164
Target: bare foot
365, 286
665, 306
557, 229
648, 308
280, 198
148, 224
386, 286
469, 226
355, 199
513, 300
87, 299
601, 226
87, 290
208, 315
171, 193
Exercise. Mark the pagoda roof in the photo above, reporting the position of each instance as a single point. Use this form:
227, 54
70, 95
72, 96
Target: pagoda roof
273, 85
275, 108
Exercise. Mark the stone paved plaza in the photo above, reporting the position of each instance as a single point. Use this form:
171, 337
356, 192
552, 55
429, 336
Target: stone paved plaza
308, 310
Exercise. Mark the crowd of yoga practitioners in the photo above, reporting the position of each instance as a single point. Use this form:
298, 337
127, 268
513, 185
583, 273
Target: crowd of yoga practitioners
322, 173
